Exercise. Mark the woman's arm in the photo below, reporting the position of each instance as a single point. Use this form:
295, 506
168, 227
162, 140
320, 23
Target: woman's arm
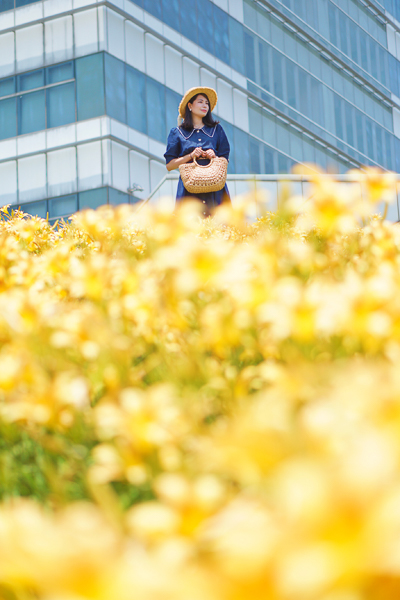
177, 162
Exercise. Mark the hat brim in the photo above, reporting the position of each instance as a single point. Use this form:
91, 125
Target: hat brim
209, 92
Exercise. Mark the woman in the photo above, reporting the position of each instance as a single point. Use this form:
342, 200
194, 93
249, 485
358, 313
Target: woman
197, 135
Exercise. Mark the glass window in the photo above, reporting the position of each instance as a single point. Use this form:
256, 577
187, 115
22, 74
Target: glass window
349, 124
269, 167
265, 65
93, 198
304, 91
255, 120
249, 56
354, 43
255, 165
36, 209
60, 72
206, 25
31, 112
90, 86
291, 73
379, 144
63, 206
343, 32
170, 13
221, 34
269, 129
115, 88
8, 118
338, 117
30, 81
6, 5
61, 104
263, 24
296, 146
153, 7
7, 86
155, 110
277, 36
363, 50
188, 19
241, 144
360, 131
370, 141
172, 103
277, 65
136, 99
116, 197
283, 164
236, 42
332, 24
228, 128
250, 14
282, 134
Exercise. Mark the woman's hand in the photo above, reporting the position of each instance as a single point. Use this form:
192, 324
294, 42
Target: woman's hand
209, 153
197, 153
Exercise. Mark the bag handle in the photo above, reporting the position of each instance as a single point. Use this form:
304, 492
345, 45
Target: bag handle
203, 166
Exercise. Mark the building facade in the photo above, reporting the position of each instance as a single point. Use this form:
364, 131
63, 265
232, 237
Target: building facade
89, 90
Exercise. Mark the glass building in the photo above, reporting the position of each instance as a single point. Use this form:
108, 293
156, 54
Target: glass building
89, 90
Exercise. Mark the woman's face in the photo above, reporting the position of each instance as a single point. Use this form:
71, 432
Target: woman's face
200, 106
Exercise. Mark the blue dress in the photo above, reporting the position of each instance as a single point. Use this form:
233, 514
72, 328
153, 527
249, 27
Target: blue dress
182, 142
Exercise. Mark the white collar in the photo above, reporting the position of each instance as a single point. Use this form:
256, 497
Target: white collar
200, 129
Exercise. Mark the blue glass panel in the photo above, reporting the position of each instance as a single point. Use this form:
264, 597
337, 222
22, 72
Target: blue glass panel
206, 25
291, 72
363, 50
188, 19
249, 56
136, 99
338, 117
255, 165
265, 65
277, 65
90, 86
221, 34
283, 164
343, 32
349, 124
115, 88
269, 166
241, 144
116, 197
61, 105
332, 24
8, 118
170, 13
31, 112
379, 144
236, 48
93, 198
172, 104
30, 81
63, 206
7, 86
37, 209
155, 110
370, 141
6, 5
228, 128
153, 7
60, 72
360, 131
354, 44
372, 55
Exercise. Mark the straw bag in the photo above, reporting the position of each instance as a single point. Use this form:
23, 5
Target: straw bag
200, 179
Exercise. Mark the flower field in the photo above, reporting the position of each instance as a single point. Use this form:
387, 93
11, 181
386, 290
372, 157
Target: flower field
202, 409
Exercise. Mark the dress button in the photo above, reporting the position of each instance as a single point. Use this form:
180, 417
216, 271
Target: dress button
204, 201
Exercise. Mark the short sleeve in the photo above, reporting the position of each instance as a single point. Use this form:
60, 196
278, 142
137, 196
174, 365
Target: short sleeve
173, 146
223, 147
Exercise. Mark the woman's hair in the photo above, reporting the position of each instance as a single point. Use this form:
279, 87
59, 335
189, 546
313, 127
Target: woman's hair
187, 122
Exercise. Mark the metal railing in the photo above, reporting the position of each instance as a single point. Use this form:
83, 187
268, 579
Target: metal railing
273, 185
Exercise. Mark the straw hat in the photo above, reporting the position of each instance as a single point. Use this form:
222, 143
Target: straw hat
209, 92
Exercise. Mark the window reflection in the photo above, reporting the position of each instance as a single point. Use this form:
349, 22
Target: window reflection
31, 112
